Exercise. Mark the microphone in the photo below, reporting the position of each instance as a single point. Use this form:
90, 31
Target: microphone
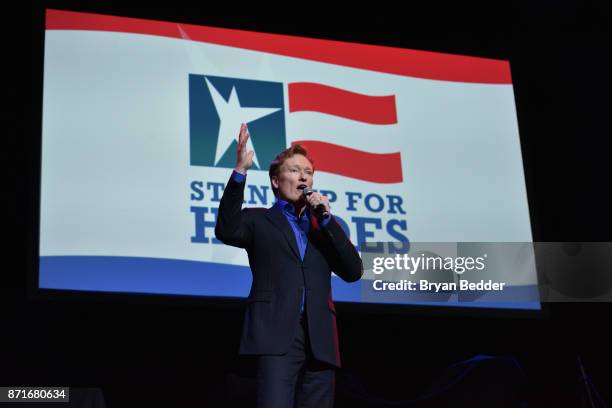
319, 209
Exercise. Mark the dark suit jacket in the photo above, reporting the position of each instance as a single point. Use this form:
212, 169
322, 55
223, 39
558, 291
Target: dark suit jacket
279, 275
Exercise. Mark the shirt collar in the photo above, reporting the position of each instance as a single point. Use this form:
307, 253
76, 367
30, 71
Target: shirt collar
288, 207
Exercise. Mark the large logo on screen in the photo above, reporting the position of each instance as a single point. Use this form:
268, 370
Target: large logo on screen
217, 107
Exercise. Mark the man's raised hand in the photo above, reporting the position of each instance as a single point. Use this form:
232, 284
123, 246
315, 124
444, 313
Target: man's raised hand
244, 160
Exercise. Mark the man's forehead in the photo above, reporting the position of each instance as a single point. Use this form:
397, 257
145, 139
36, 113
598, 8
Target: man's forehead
298, 160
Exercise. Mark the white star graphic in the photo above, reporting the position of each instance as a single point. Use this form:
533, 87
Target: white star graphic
232, 115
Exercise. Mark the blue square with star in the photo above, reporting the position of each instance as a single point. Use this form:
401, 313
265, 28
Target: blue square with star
217, 107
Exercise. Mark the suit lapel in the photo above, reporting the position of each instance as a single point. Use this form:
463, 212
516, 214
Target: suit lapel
276, 216
313, 235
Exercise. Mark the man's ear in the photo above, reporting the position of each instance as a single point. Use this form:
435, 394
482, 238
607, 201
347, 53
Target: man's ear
274, 181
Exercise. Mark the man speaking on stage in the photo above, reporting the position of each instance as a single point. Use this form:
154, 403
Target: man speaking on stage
293, 247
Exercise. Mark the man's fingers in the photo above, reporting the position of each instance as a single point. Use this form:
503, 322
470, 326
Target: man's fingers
318, 196
243, 135
315, 199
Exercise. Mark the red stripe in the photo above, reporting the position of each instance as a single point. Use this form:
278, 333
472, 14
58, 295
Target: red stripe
375, 167
391, 60
378, 110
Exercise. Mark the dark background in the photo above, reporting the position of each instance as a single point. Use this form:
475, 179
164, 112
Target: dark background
148, 350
